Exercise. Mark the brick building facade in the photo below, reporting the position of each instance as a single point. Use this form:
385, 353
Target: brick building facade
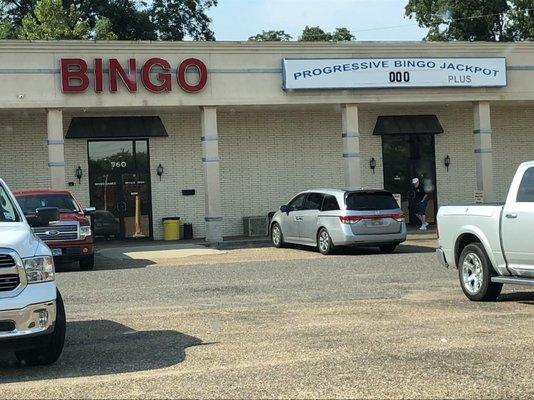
245, 145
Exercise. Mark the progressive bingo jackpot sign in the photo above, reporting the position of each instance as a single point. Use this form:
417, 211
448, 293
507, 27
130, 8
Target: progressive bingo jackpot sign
360, 73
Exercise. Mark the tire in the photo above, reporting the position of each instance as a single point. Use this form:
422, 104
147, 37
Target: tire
55, 341
87, 263
324, 242
388, 248
277, 237
475, 272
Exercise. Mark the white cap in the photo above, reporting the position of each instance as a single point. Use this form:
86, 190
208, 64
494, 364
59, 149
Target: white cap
415, 180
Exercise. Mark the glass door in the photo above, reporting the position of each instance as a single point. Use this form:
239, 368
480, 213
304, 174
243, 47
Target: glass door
407, 157
119, 179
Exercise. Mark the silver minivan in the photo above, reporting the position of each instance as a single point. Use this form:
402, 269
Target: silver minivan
328, 218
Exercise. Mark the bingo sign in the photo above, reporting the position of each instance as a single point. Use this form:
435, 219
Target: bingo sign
369, 73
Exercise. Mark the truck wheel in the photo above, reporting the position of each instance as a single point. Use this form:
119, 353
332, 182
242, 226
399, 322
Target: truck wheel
324, 242
87, 263
276, 236
475, 272
51, 352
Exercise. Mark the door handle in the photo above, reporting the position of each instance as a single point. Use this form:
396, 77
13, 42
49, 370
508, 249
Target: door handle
298, 218
511, 215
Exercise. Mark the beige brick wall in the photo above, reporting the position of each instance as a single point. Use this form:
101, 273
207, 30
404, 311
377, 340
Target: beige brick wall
24, 153
180, 155
268, 156
513, 143
455, 186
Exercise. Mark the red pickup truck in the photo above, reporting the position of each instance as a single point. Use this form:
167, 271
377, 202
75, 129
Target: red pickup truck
70, 239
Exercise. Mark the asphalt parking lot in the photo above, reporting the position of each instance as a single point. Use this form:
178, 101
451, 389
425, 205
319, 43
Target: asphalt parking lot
284, 323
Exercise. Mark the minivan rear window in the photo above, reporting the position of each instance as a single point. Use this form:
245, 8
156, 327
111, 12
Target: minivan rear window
370, 201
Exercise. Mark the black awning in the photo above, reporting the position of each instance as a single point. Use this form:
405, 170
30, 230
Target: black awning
115, 127
407, 125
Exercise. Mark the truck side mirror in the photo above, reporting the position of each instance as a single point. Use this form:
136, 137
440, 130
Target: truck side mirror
46, 215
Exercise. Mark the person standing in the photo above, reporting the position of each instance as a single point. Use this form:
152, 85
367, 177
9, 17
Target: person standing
421, 202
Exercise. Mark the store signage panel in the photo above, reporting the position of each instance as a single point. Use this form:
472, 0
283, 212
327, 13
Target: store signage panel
371, 73
155, 74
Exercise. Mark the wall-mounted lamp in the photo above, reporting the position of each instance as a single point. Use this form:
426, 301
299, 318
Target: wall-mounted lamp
447, 162
372, 164
159, 171
79, 174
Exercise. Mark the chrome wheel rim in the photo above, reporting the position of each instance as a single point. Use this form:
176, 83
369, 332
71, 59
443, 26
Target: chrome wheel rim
324, 241
472, 273
276, 235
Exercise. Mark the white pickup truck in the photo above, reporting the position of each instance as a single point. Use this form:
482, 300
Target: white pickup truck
491, 244
32, 315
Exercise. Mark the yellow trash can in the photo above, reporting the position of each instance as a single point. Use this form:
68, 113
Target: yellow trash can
171, 228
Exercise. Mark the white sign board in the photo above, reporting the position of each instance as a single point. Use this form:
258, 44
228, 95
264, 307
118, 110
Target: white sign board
479, 196
369, 73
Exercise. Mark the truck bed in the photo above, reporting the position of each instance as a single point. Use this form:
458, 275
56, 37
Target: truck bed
481, 220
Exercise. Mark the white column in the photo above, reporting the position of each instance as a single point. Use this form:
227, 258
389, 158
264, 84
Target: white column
351, 145
212, 183
483, 149
56, 148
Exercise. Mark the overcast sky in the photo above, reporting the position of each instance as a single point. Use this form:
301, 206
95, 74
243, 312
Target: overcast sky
368, 19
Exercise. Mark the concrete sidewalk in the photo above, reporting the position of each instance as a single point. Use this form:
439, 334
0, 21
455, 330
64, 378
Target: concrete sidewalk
160, 251
156, 251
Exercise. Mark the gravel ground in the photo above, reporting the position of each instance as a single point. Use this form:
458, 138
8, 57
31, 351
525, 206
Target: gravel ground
283, 323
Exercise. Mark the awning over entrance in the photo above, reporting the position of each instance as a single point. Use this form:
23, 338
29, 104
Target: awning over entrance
407, 125
115, 127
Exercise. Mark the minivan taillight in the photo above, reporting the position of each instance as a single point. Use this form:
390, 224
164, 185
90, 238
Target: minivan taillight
350, 219
399, 217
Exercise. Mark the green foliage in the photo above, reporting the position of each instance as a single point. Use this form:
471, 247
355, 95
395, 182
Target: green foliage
316, 34
129, 19
125, 19
270, 36
103, 30
474, 20
342, 35
6, 30
49, 21
521, 20
174, 19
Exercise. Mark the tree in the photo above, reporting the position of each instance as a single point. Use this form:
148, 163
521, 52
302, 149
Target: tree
129, 19
50, 21
103, 30
314, 34
174, 19
463, 20
342, 35
270, 36
521, 20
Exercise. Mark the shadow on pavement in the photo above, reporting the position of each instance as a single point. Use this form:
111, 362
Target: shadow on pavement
102, 347
355, 251
520, 297
103, 264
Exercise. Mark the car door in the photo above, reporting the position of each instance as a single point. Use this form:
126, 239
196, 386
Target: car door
290, 220
308, 217
518, 225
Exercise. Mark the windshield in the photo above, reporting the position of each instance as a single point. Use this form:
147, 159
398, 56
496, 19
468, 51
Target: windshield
63, 202
372, 201
8, 212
